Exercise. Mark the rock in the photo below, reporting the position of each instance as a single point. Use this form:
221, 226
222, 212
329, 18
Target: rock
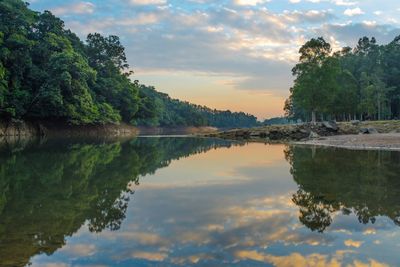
303, 131
372, 131
313, 135
355, 122
331, 125
263, 135
368, 131
255, 134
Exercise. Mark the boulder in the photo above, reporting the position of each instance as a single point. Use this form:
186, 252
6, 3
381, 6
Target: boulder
355, 122
372, 131
368, 131
303, 131
313, 135
330, 125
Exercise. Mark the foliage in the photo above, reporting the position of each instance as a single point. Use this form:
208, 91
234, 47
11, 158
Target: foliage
360, 83
158, 109
48, 73
277, 121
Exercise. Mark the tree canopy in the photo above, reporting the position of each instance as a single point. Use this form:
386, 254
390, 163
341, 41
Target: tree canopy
353, 83
48, 73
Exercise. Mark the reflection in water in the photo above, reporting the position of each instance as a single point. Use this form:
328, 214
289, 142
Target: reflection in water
70, 204
366, 183
48, 191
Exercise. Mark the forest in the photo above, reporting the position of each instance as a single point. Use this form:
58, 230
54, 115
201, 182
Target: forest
48, 73
361, 83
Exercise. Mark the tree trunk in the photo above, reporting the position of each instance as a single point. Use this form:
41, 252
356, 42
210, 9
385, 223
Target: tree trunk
379, 110
313, 117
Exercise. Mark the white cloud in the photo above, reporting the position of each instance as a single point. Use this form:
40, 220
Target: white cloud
336, 2
147, 2
353, 12
75, 8
344, 3
250, 2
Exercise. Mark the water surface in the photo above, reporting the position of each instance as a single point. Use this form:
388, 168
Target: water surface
191, 201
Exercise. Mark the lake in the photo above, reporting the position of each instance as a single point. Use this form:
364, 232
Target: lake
179, 201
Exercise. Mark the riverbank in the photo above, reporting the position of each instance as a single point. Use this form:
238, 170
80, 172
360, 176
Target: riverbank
307, 131
23, 129
389, 141
176, 130
26, 130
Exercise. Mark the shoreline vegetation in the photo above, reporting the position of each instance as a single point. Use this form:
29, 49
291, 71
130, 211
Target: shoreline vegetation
47, 74
360, 83
54, 84
352, 92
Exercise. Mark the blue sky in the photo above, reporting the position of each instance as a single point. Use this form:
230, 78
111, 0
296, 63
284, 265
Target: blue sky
228, 54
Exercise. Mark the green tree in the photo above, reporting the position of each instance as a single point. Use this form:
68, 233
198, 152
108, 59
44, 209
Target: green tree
315, 82
66, 94
107, 56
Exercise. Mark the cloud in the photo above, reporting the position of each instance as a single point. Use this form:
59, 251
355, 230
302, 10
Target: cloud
75, 8
151, 256
344, 2
349, 34
353, 12
352, 243
250, 2
147, 2
253, 43
79, 250
335, 2
310, 16
298, 260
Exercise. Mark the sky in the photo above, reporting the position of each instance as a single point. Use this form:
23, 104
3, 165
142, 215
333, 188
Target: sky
226, 54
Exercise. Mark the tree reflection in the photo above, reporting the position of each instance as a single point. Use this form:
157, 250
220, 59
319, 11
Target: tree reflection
365, 183
48, 191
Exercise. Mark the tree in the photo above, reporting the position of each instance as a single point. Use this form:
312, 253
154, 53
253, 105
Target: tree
351, 83
67, 94
48, 73
107, 56
315, 82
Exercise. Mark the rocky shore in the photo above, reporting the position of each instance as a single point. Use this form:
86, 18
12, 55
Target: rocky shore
389, 141
20, 129
307, 131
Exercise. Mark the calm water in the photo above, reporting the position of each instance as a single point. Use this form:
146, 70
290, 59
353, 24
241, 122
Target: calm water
190, 201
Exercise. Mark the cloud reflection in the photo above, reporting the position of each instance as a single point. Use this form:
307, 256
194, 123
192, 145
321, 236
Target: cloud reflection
251, 222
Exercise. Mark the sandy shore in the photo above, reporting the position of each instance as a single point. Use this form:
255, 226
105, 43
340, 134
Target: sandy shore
359, 142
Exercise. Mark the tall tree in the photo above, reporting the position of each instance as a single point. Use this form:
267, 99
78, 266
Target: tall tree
315, 74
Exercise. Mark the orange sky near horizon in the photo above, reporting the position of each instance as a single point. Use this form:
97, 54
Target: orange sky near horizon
215, 92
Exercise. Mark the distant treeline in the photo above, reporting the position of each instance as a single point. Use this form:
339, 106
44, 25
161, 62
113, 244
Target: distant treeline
354, 83
48, 73
158, 109
278, 121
